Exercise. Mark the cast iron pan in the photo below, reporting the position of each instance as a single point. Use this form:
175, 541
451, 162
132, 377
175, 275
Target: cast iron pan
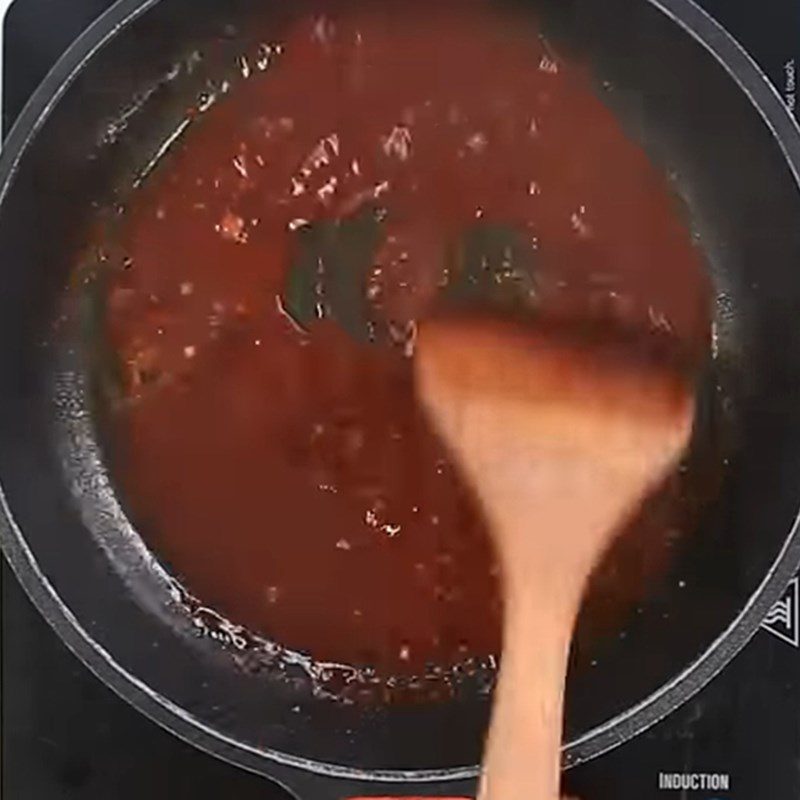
705, 113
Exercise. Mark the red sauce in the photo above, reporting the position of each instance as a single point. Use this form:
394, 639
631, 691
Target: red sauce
287, 476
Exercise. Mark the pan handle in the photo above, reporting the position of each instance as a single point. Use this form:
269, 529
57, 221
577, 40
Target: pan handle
303, 785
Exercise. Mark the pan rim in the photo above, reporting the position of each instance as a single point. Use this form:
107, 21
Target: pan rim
765, 99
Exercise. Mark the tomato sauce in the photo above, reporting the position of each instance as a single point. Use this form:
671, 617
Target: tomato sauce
282, 467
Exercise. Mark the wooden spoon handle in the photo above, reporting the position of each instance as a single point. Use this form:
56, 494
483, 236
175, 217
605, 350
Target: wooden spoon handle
523, 753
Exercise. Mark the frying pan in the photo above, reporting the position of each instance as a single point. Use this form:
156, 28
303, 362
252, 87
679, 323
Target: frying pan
705, 113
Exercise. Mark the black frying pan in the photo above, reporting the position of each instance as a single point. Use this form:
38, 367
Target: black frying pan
703, 110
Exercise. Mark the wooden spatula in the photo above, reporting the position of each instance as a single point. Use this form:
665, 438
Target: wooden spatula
561, 440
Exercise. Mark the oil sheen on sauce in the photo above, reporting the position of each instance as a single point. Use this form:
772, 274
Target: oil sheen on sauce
284, 471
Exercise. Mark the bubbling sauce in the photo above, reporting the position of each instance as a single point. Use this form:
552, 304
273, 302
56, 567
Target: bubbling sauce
282, 467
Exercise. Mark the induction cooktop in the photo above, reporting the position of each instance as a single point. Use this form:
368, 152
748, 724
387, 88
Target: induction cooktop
65, 735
